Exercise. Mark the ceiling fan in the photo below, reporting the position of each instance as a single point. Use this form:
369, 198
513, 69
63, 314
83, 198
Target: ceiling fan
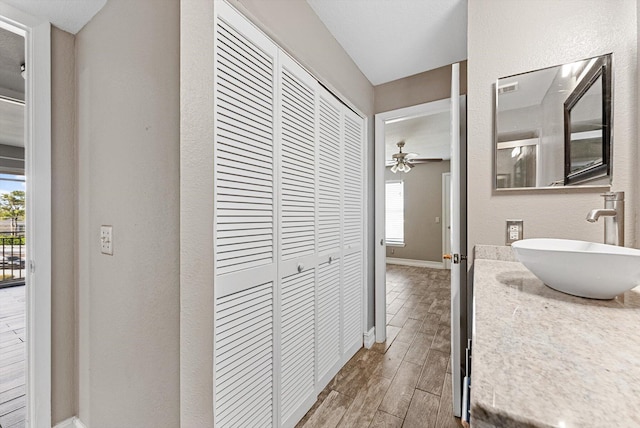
403, 162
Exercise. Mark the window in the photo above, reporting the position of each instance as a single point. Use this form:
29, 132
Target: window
394, 210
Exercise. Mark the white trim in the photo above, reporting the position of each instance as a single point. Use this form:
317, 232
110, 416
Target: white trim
456, 234
380, 165
73, 422
370, 338
365, 228
416, 263
37, 33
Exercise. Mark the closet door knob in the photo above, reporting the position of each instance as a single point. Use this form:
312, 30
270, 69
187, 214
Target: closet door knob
330, 259
300, 267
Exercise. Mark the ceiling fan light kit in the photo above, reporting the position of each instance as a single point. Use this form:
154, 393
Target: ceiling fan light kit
402, 164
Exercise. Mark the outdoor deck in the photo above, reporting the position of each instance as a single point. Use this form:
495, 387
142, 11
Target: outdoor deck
12, 357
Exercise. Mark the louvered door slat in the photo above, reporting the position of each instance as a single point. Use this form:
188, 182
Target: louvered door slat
328, 318
244, 152
352, 300
297, 149
297, 341
329, 169
244, 348
353, 178
245, 236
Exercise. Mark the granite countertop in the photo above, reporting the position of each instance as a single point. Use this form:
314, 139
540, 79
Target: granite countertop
544, 358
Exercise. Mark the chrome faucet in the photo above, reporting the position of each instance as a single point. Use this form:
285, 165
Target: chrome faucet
614, 218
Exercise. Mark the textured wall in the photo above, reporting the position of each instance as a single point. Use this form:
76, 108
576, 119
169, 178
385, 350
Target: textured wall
507, 37
63, 226
196, 213
127, 77
423, 203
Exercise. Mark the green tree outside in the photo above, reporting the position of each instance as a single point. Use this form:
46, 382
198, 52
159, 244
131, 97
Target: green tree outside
12, 207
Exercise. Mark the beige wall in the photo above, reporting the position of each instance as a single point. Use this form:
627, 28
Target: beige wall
505, 38
63, 222
423, 203
127, 90
196, 213
294, 25
418, 89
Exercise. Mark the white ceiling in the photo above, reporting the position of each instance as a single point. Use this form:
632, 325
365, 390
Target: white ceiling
69, 15
427, 136
389, 40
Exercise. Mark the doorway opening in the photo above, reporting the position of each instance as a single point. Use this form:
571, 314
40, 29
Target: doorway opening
431, 295
13, 362
25, 207
415, 205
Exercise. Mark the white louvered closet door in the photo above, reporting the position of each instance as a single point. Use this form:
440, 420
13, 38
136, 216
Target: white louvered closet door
245, 222
297, 265
330, 166
352, 233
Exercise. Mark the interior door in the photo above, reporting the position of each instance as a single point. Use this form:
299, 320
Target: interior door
246, 226
458, 238
297, 259
328, 306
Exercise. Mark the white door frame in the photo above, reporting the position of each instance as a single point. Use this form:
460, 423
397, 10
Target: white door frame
433, 107
37, 33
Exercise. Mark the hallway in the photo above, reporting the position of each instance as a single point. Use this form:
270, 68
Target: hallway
405, 382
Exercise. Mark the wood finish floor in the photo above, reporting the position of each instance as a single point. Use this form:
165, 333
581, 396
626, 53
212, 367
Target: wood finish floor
406, 381
12, 357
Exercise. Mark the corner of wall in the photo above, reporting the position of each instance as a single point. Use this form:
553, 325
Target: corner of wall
63, 213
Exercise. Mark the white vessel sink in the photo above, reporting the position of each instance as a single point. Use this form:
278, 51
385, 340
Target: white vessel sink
584, 269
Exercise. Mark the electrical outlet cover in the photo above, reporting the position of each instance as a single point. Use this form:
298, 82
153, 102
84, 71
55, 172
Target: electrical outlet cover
515, 231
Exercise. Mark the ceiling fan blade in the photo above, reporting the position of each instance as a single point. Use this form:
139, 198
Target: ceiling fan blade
411, 155
426, 160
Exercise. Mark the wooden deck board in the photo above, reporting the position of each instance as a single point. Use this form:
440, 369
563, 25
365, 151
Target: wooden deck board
12, 357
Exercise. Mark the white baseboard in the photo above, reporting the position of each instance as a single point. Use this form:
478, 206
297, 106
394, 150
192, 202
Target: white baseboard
417, 263
73, 422
370, 338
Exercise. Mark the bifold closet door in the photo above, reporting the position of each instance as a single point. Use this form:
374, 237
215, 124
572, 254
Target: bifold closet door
297, 264
352, 234
330, 166
245, 223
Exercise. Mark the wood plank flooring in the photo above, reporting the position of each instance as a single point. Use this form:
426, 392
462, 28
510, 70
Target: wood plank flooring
12, 357
406, 381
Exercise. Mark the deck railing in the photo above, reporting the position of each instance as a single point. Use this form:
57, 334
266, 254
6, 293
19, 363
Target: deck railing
12, 259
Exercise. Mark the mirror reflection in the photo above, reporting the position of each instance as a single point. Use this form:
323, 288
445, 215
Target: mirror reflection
553, 126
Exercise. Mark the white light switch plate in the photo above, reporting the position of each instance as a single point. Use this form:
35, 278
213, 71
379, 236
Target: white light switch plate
106, 240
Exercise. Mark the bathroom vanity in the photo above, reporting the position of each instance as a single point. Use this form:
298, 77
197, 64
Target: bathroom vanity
544, 358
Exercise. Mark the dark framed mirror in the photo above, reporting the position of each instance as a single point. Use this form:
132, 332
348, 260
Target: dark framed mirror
587, 124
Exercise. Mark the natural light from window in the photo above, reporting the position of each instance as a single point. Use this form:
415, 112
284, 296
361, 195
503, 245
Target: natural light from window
394, 212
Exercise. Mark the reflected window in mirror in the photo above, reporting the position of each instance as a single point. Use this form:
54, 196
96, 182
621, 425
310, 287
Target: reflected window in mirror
553, 126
